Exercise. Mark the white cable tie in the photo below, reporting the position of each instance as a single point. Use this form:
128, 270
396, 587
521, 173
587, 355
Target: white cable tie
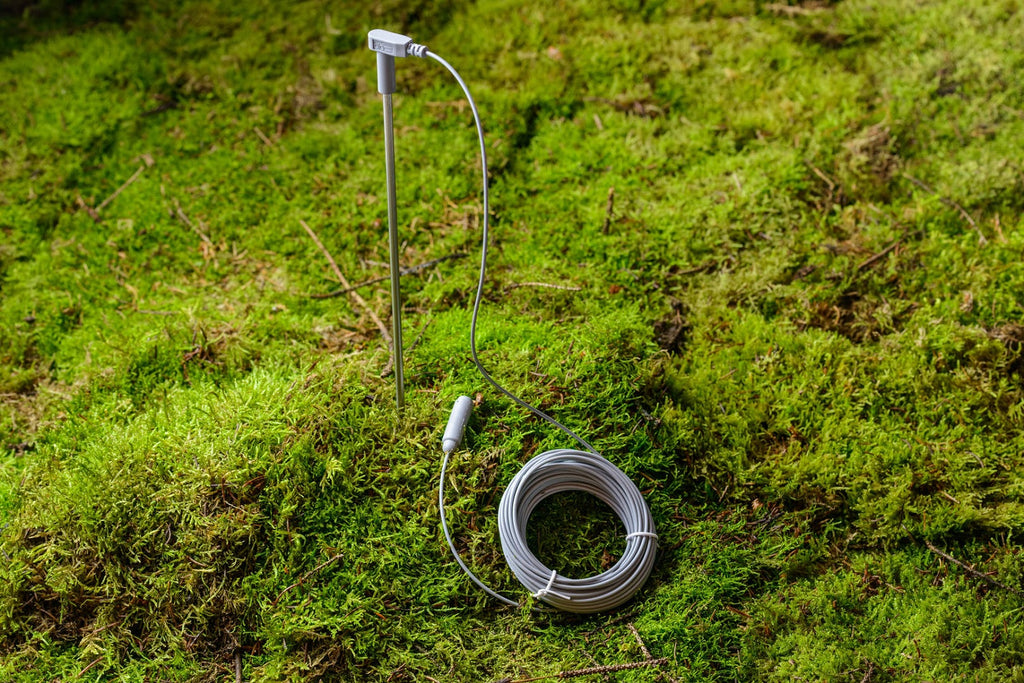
546, 590
642, 534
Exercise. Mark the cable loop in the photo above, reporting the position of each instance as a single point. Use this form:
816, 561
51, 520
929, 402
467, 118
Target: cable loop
571, 470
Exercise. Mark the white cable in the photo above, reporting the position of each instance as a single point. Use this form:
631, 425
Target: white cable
550, 473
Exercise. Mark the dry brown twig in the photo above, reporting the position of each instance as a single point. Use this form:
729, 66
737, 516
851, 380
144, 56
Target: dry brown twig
949, 202
112, 197
639, 641
91, 665
262, 136
792, 10
419, 335
360, 301
372, 281
590, 671
608, 211
88, 209
547, 285
302, 579
647, 653
874, 258
184, 219
972, 571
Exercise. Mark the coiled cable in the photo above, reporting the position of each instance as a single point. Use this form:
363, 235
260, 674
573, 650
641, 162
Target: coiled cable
553, 472
570, 470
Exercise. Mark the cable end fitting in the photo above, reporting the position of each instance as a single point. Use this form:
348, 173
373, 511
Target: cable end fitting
394, 44
456, 424
389, 45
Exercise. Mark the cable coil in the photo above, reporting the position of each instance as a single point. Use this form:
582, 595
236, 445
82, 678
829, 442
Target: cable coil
554, 472
571, 470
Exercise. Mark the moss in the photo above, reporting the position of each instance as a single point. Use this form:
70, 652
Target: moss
786, 241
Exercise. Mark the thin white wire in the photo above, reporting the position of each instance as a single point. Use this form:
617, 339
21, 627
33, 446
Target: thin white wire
550, 473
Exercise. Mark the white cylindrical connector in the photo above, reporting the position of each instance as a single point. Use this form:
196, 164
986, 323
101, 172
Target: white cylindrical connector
456, 424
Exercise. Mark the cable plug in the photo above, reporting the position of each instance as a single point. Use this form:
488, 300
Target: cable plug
456, 424
389, 45
394, 44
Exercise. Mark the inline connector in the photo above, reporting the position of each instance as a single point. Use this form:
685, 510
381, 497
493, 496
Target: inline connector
456, 424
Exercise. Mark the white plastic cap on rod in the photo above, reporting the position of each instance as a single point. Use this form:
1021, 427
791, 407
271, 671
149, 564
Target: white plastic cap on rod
389, 42
388, 45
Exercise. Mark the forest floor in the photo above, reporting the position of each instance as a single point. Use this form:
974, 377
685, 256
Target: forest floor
767, 257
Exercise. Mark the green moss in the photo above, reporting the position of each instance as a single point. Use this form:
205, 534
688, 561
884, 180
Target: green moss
786, 241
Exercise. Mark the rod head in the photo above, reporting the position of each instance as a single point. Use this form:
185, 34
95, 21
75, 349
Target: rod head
389, 43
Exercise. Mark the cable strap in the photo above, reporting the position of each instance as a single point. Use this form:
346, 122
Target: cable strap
546, 590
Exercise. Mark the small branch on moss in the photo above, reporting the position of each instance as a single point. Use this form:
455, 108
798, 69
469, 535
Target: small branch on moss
949, 497
792, 10
608, 211
875, 258
548, 285
101, 629
262, 136
639, 641
867, 674
88, 209
738, 612
119, 190
419, 335
360, 301
591, 671
404, 271
184, 219
645, 651
999, 229
821, 174
972, 571
949, 202
91, 665
238, 666
302, 579
706, 267
604, 677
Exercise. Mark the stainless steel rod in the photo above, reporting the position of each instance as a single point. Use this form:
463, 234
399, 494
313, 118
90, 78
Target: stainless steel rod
396, 292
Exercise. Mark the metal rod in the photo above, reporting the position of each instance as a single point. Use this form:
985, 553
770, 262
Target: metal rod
396, 292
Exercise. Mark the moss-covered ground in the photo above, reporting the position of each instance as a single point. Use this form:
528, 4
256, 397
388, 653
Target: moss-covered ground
788, 247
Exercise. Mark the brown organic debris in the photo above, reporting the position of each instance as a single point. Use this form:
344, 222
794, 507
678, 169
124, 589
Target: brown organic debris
671, 331
355, 296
